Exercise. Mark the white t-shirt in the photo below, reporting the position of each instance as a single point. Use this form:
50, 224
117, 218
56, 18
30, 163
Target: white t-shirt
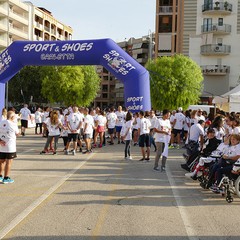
53, 129
120, 118
101, 120
179, 117
112, 117
236, 130
25, 113
162, 125
90, 124
172, 117
186, 124
153, 121
8, 131
128, 125
74, 120
38, 117
45, 116
219, 134
136, 123
144, 126
232, 151
195, 131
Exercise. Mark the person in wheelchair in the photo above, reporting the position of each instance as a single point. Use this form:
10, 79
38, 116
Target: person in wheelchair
225, 165
213, 156
211, 144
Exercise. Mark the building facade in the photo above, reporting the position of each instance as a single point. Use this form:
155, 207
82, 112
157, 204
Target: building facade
24, 21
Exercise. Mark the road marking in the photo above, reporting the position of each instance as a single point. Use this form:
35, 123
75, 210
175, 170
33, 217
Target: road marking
186, 221
41, 199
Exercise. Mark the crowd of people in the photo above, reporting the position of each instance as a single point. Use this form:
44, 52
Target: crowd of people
83, 129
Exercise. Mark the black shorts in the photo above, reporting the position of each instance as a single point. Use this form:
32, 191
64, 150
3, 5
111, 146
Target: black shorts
177, 131
5, 156
144, 140
111, 130
72, 136
24, 123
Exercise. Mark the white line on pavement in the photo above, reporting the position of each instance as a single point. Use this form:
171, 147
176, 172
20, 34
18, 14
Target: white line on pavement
41, 199
186, 221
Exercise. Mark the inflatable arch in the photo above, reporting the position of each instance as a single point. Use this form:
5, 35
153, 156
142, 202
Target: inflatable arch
103, 52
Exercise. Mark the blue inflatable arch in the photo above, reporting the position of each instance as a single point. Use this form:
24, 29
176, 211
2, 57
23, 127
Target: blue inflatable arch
103, 52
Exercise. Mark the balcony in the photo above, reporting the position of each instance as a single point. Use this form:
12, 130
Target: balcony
215, 49
215, 70
217, 8
166, 9
216, 28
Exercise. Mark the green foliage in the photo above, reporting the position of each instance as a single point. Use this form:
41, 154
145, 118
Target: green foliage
70, 84
175, 81
27, 81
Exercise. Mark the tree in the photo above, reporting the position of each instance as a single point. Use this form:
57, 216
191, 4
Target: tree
25, 84
70, 84
175, 81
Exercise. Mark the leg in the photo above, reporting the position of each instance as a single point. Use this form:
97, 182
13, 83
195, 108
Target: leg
158, 153
49, 139
127, 143
56, 142
2, 166
8, 167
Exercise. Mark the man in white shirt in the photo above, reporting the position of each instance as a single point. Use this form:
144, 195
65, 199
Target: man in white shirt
162, 130
120, 120
38, 120
8, 132
178, 124
25, 115
144, 135
74, 123
111, 122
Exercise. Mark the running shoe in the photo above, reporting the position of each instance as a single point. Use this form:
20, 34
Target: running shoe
157, 169
171, 147
7, 180
163, 169
1, 179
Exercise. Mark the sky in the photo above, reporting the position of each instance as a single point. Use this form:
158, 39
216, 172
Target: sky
96, 19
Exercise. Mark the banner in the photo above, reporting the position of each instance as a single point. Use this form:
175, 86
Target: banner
103, 52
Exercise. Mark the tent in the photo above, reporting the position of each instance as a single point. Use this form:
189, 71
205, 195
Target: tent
229, 101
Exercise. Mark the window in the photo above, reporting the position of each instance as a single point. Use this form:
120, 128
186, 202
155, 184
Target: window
220, 22
105, 95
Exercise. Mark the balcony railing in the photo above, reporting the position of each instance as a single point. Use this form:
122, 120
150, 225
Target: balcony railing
215, 70
216, 7
216, 28
166, 9
215, 49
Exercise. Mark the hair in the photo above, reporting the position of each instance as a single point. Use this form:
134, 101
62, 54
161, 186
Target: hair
210, 130
201, 122
54, 117
217, 122
141, 113
4, 112
236, 136
237, 121
10, 114
187, 113
112, 109
147, 114
87, 110
128, 116
165, 111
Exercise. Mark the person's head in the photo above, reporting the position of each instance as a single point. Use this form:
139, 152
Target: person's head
180, 109
210, 133
147, 114
25, 105
54, 117
4, 112
217, 122
174, 112
236, 122
208, 123
128, 116
86, 111
199, 112
235, 139
11, 116
141, 114
152, 113
119, 108
201, 122
187, 113
75, 109
166, 114
112, 109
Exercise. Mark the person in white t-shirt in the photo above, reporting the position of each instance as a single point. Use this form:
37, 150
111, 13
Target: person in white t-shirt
144, 137
162, 130
120, 121
101, 122
111, 122
128, 135
25, 115
8, 132
178, 124
53, 125
74, 123
88, 130
136, 120
38, 120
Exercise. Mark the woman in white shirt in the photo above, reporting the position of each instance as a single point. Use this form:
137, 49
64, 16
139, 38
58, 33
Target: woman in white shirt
128, 135
100, 128
53, 125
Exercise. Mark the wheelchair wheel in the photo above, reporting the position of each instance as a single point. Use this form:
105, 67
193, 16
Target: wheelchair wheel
229, 199
237, 186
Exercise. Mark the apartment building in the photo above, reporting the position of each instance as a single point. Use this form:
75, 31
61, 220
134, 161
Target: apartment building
111, 91
24, 21
14, 22
215, 45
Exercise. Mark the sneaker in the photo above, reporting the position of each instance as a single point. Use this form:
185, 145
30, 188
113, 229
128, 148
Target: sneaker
129, 158
66, 152
122, 142
135, 144
80, 149
43, 152
178, 147
54, 152
7, 180
111, 143
147, 160
142, 159
185, 167
157, 169
171, 147
118, 142
74, 152
100, 145
189, 175
1, 179
163, 169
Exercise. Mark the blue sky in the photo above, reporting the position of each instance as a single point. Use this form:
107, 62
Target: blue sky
94, 19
